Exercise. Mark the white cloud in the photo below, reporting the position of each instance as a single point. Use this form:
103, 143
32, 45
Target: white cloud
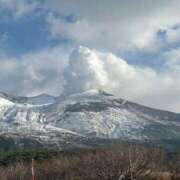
78, 31
34, 73
115, 25
19, 7
121, 25
52, 70
106, 25
89, 69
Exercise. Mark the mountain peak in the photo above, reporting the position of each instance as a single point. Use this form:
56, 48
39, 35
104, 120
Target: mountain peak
90, 114
95, 92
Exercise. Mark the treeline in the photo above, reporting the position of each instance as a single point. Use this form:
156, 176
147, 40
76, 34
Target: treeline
122, 162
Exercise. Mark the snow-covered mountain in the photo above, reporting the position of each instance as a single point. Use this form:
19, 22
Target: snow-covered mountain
76, 119
36, 100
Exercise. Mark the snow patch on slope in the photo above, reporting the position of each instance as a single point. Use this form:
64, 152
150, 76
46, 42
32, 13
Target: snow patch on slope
5, 102
92, 114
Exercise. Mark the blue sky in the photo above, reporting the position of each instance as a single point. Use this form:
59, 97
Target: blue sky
27, 34
31, 32
39, 39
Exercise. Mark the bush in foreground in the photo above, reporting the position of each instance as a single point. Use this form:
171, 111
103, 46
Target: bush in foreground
120, 162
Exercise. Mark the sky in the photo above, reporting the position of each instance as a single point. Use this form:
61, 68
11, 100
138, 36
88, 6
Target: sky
128, 48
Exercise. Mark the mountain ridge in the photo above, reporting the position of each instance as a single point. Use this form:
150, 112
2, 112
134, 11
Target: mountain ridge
72, 119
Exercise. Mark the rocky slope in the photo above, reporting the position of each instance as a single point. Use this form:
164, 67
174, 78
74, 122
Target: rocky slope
78, 119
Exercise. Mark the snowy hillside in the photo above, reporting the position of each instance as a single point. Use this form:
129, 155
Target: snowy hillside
91, 114
37, 100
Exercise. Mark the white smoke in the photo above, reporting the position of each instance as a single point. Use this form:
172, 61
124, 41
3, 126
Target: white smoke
91, 69
85, 71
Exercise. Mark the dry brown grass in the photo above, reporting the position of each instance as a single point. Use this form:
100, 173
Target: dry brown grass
132, 162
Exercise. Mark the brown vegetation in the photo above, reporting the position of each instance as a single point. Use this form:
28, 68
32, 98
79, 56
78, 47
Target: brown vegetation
120, 163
